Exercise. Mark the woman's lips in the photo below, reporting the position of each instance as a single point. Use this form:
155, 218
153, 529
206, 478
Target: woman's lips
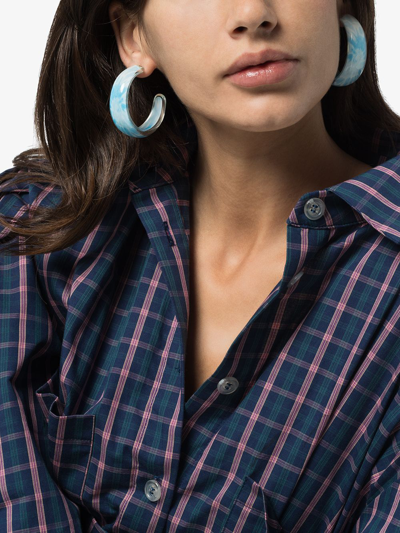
265, 74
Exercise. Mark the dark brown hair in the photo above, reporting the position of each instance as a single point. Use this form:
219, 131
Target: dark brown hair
89, 159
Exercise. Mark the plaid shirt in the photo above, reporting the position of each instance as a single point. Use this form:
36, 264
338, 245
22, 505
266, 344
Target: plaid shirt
297, 430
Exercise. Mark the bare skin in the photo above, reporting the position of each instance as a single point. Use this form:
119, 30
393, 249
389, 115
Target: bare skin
223, 299
260, 148
221, 305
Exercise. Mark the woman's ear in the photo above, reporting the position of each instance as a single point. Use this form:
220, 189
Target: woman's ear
128, 40
123, 28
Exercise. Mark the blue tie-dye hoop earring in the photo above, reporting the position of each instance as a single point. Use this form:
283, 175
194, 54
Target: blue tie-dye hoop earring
356, 52
119, 106
353, 68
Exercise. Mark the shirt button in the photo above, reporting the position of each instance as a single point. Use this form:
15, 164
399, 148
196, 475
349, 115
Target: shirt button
295, 278
152, 490
314, 208
228, 385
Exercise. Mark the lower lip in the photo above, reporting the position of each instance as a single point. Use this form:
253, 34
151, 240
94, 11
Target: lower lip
267, 74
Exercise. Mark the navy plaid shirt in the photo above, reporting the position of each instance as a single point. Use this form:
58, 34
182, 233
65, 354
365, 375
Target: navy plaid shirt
297, 430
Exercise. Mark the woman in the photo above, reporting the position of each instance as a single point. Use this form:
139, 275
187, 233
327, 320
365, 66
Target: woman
276, 407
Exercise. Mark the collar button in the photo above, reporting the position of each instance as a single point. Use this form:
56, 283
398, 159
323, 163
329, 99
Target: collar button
314, 208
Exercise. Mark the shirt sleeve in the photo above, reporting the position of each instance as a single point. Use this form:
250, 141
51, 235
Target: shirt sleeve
30, 498
378, 502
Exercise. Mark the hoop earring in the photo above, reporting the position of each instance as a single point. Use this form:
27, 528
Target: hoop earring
356, 52
119, 109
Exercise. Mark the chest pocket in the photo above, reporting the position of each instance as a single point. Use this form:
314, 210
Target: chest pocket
67, 444
251, 511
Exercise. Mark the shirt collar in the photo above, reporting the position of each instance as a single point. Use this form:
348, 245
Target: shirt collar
375, 194
373, 197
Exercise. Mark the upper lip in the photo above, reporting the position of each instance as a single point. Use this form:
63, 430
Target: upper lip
247, 60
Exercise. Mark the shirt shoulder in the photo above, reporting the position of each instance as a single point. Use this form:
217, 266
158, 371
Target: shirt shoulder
18, 198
